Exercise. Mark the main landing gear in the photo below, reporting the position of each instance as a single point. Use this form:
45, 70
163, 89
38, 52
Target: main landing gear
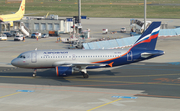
34, 74
84, 73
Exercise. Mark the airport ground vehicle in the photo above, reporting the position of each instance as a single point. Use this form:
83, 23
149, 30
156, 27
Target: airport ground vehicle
8, 34
76, 45
3, 37
45, 35
134, 34
35, 35
18, 37
104, 31
138, 26
123, 30
14, 32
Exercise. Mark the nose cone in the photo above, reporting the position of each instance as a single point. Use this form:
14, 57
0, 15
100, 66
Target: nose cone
14, 62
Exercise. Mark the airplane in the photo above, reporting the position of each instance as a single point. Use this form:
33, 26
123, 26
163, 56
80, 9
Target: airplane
13, 17
67, 62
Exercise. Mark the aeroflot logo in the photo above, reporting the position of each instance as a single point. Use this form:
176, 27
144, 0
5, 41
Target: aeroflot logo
154, 34
55, 52
22, 7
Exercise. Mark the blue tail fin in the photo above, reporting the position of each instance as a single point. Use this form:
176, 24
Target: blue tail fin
147, 41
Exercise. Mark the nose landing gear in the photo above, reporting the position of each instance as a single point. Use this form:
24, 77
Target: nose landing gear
34, 74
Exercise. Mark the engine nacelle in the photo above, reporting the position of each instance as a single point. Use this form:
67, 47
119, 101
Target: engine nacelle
64, 71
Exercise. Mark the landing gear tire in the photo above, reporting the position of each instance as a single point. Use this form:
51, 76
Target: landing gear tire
86, 75
34, 75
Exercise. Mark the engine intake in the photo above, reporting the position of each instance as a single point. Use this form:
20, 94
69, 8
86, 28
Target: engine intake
64, 71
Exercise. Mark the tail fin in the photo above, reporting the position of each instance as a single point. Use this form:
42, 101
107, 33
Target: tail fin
147, 40
21, 8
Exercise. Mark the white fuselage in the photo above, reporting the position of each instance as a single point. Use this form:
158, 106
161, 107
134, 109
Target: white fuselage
51, 58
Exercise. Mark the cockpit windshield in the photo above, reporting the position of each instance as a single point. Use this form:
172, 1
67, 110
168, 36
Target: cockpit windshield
21, 56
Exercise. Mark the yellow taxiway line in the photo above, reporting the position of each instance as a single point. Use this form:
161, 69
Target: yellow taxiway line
10, 94
104, 104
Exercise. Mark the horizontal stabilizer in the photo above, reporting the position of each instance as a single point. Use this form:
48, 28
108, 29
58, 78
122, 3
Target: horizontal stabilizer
146, 55
151, 53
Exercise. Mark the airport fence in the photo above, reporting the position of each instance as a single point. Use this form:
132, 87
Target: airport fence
128, 41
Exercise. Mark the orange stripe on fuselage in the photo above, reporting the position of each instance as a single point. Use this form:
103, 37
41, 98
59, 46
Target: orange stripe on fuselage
110, 59
57, 72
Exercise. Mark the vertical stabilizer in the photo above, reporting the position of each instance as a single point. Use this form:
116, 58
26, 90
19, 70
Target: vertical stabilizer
147, 41
21, 10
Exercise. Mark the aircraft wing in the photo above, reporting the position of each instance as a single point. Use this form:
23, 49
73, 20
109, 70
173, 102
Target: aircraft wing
74, 64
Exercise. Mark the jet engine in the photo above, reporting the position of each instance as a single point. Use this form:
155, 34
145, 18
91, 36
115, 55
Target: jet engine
64, 71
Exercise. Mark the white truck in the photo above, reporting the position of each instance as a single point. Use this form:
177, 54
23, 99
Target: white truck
3, 37
138, 26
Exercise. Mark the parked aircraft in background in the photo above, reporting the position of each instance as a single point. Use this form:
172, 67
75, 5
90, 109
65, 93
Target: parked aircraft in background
67, 62
13, 17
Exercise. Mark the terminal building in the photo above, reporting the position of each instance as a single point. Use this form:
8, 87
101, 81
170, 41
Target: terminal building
44, 25
29, 25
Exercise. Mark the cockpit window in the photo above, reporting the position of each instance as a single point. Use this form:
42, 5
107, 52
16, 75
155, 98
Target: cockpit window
21, 56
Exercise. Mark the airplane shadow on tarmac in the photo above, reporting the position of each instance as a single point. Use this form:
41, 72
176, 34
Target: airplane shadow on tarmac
20, 73
153, 79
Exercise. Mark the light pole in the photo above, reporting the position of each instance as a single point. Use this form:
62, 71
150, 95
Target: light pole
79, 11
144, 15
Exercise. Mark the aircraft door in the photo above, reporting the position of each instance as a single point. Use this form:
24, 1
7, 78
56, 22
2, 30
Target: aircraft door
73, 57
129, 56
33, 57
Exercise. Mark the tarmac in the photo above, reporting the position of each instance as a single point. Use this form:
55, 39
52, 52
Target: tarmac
145, 86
